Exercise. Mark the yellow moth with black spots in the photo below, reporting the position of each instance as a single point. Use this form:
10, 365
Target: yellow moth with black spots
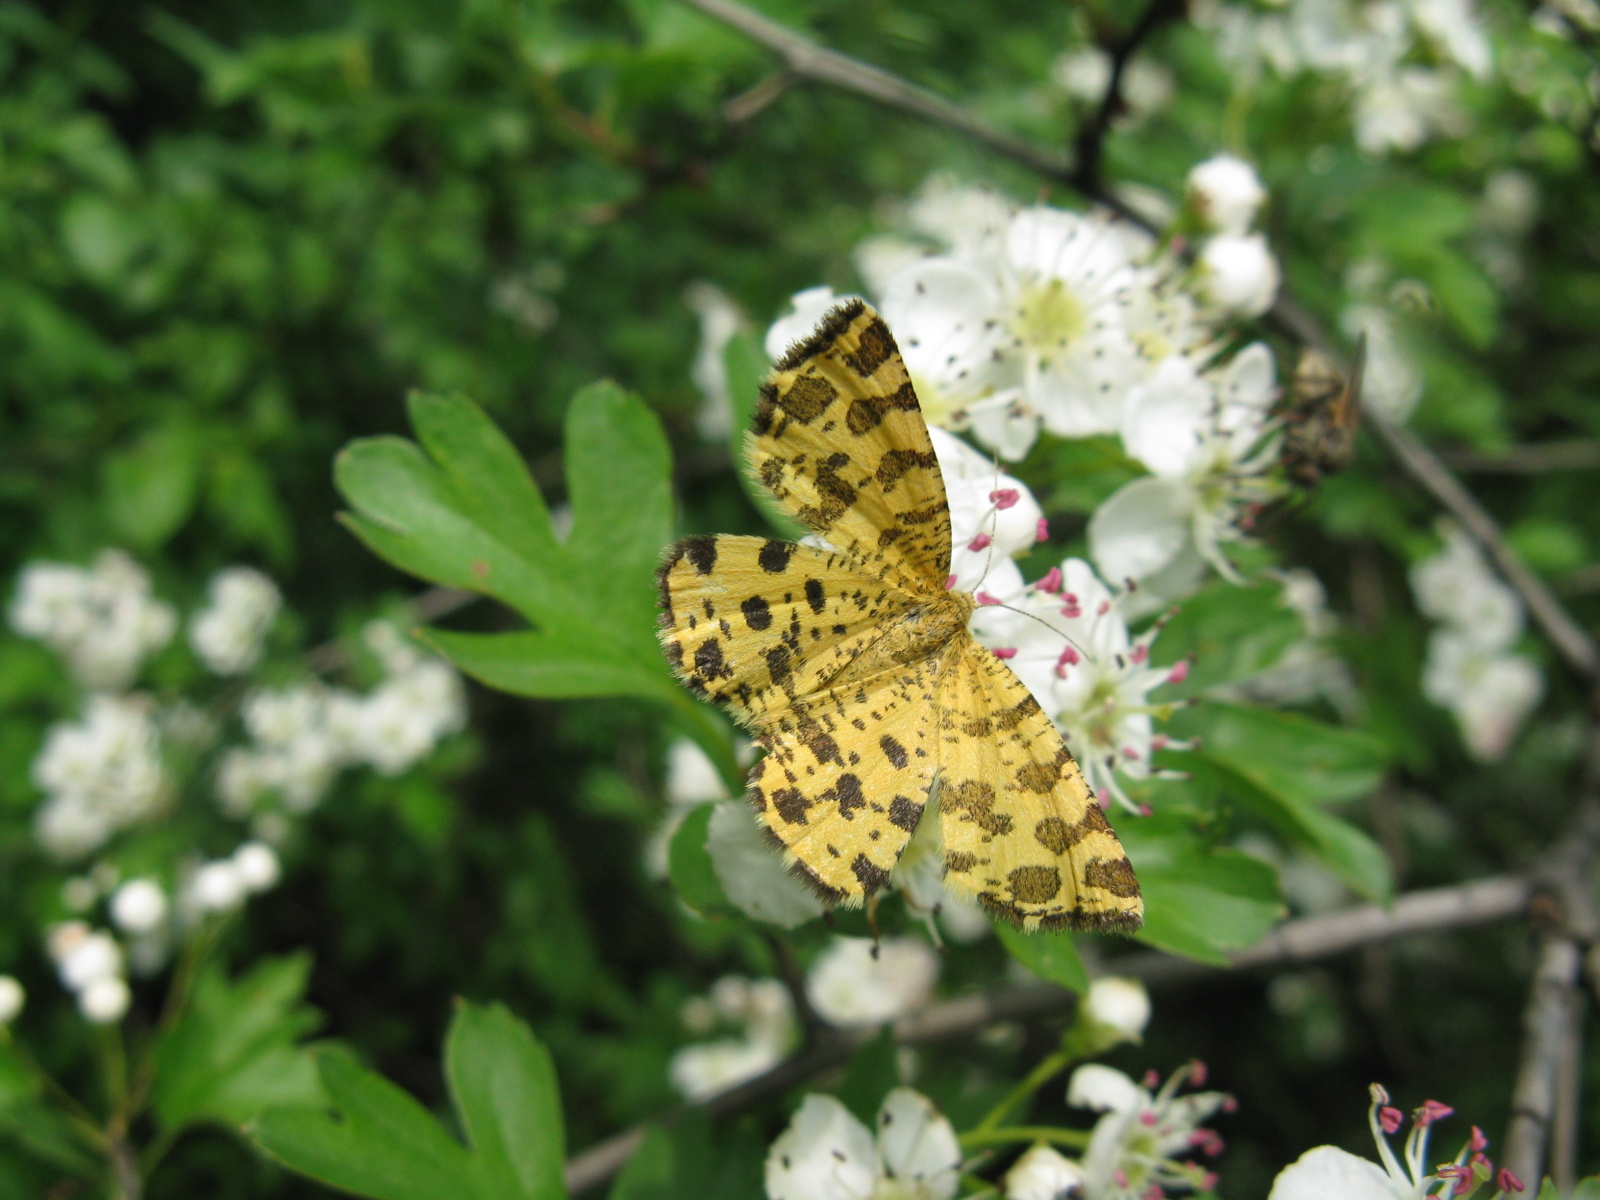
854, 667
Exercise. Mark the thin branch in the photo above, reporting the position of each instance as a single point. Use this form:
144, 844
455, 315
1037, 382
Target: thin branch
1091, 138
1552, 1010
1568, 637
808, 60
1432, 911
1540, 458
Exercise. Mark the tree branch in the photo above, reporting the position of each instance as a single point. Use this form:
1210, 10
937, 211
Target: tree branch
1551, 1013
1432, 911
807, 60
1091, 138
1575, 454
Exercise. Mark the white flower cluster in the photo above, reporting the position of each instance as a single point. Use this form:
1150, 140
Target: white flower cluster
99, 774
101, 619
305, 734
1400, 61
1471, 668
222, 885
1042, 319
764, 1015
12, 998
90, 964
826, 1154
1141, 1147
228, 633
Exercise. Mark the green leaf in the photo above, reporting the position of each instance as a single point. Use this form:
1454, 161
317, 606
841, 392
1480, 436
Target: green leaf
1228, 633
1052, 956
1198, 902
690, 867
747, 365
1284, 767
373, 1140
150, 487
34, 1125
236, 1049
503, 1087
461, 509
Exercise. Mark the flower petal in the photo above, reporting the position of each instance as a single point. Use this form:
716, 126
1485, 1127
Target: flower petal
1104, 1089
1141, 527
825, 1154
1329, 1173
918, 1144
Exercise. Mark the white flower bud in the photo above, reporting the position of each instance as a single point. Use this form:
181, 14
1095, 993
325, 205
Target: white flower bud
1104, 1089
12, 998
1044, 1174
64, 937
138, 906
857, 981
94, 957
217, 887
257, 865
1238, 274
1227, 193
1118, 1006
105, 1000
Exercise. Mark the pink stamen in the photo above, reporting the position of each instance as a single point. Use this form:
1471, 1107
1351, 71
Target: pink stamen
1508, 1182
1145, 810
1179, 672
1209, 1182
1105, 607
1139, 653
1120, 1177
1005, 498
1069, 598
1229, 1104
1389, 1118
950, 582
1462, 1176
1151, 1079
986, 598
1431, 1111
1147, 1118
982, 542
1052, 581
1104, 801
1477, 1141
1198, 1074
1071, 610
1130, 753
1154, 1192
1005, 652
1069, 655
1480, 1159
1041, 531
1160, 742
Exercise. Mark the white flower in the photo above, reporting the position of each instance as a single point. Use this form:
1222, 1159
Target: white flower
1135, 1146
752, 876
408, 714
1457, 586
968, 221
766, 1013
993, 517
138, 906
228, 633
720, 319
1044, 1174
1074, 652
1207, 437
101, 774
1084, 73
216, 887
692, 778
702, 1070
857, 981
807, 308
826, 1154
12, 998
1227, 193
256, 864
85, 958
103, 620
105, 1000
1329, 1173
1402, 108
1120, 1007
1490, 692
1238, 274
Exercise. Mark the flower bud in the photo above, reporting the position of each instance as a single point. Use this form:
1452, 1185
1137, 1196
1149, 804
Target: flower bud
12, 997
1044, 1174
217, 887
105, 1000
138, 906
257, 866
1119, 1008
1227, 193
1238, 274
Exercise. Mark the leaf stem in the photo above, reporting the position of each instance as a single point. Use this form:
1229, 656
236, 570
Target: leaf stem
1050, 1066
1076, 1138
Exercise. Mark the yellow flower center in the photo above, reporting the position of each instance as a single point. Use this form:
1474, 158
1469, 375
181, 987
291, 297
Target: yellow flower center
1048, 317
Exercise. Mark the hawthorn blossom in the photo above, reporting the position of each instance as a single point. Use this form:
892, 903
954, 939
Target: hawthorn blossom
229, 632
1146, 1139
862, 981
1471, 668
762, 1013
138, 906
100, 774
102, 620
993, 517
826, 1154
1329, 1173
1207, 439
1043, 1173
1226, 192
1068, 642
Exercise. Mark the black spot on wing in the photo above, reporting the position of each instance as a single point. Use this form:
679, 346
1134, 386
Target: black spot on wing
774, 557
756, 613
702, 552
814, 595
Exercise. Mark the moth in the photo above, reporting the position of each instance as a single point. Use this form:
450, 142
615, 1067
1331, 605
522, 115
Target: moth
852, 663
1322, 416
